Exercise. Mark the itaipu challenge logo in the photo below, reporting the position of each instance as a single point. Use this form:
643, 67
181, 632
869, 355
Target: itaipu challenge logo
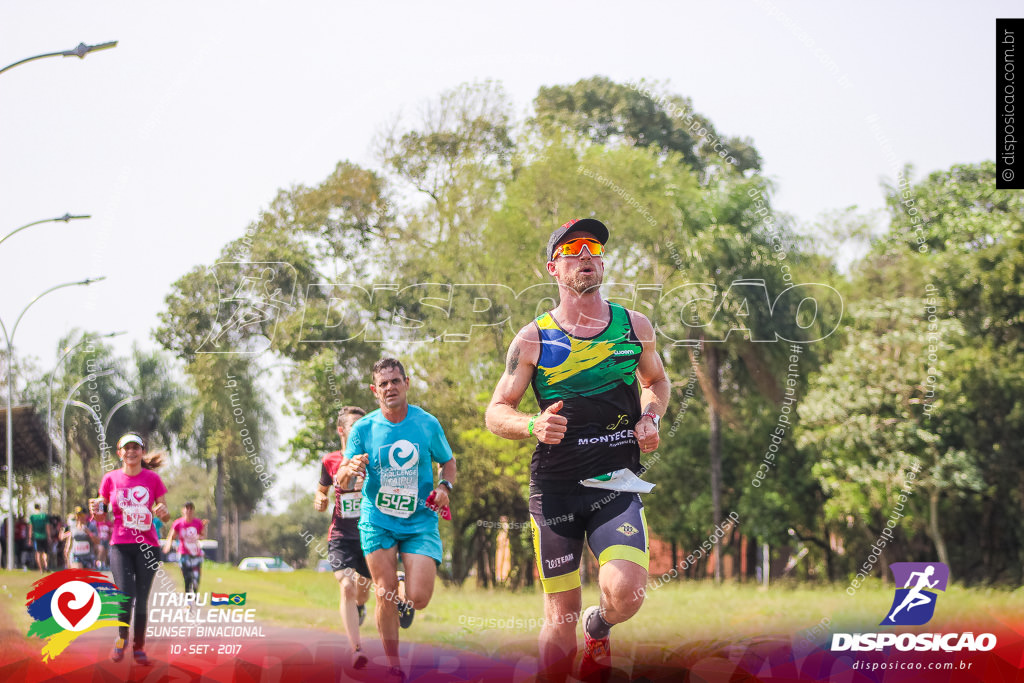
71, 602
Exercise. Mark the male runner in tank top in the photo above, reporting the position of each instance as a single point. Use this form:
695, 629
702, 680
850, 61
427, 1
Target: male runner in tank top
584, 360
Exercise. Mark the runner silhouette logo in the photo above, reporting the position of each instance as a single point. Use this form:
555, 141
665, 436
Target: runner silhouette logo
914, 603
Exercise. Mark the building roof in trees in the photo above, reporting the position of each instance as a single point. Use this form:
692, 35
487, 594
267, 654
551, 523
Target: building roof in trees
29, 440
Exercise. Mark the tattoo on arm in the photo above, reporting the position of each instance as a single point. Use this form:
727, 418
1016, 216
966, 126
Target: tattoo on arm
513, 361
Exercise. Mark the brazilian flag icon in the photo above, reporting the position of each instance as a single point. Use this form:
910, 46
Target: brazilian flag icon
237, 599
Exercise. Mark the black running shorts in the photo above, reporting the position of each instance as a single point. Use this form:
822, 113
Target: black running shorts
346, 553
612, 521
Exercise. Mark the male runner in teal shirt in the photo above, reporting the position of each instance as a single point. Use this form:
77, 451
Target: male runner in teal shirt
394, 448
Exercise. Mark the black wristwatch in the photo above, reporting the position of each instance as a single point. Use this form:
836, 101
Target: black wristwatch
654, 418
446, 483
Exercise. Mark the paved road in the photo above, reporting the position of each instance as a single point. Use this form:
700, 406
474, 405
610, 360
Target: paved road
283, 655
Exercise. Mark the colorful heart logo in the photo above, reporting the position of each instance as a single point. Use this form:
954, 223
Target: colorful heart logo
140, 494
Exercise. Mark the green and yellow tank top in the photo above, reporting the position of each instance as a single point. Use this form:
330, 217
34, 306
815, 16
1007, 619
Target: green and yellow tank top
595, 377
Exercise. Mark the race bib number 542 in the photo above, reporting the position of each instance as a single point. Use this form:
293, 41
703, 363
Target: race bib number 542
395, 501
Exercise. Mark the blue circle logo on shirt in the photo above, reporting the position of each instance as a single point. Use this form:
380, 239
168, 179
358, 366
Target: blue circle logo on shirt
554, 347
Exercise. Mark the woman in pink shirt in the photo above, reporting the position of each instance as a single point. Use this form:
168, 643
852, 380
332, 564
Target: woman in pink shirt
133, 494
189, 531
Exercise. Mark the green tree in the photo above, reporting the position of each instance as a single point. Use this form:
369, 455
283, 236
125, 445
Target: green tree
868, 420
704, 232
955, 242
641, 114
295, 535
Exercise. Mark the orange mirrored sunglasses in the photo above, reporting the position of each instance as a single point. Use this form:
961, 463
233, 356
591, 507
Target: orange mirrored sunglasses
575, 247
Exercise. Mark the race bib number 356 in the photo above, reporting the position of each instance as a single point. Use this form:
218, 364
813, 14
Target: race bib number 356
348, 505
397, 502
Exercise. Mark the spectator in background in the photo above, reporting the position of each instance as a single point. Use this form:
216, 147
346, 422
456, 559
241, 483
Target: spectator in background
3, 545
79, 543
103, 541
158, 527
21, 542
41, 531
57, 556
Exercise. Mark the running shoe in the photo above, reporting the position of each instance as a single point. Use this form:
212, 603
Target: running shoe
361, 611
597, 652
396, 674
359, 660
117, 654
405, 614
141, 659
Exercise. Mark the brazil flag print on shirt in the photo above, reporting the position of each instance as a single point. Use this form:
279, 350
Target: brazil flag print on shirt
596, 379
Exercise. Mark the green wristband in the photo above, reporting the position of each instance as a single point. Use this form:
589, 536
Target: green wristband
529, 426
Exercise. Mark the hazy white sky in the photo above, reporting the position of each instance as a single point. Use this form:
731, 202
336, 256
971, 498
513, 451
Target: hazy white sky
174, 140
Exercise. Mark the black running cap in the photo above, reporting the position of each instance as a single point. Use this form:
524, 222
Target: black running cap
591, 225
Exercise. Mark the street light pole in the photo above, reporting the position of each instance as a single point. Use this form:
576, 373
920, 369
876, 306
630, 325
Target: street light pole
66, 217
63, 432
10, 400
120, 404
96, 417
49, 410
81, 51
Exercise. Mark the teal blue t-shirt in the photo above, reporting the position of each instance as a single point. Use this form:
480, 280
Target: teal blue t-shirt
400, 471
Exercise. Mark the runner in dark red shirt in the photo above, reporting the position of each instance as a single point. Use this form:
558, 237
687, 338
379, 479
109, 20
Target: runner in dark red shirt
343, 549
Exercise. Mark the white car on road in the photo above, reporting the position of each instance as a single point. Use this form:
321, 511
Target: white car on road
264, 564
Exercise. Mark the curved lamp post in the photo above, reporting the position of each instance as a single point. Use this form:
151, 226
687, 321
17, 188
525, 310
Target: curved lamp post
81, 51
66, 217
99, 425
49, 407
63, 432
10, 423
120, 404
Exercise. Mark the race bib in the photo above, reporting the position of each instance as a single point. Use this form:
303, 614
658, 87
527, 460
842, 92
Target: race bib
396, 501
137, 518
104, 533
81, 548
399, 478
348, 505
190, 541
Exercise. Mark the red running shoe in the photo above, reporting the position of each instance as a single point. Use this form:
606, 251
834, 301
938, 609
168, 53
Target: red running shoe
596, 663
